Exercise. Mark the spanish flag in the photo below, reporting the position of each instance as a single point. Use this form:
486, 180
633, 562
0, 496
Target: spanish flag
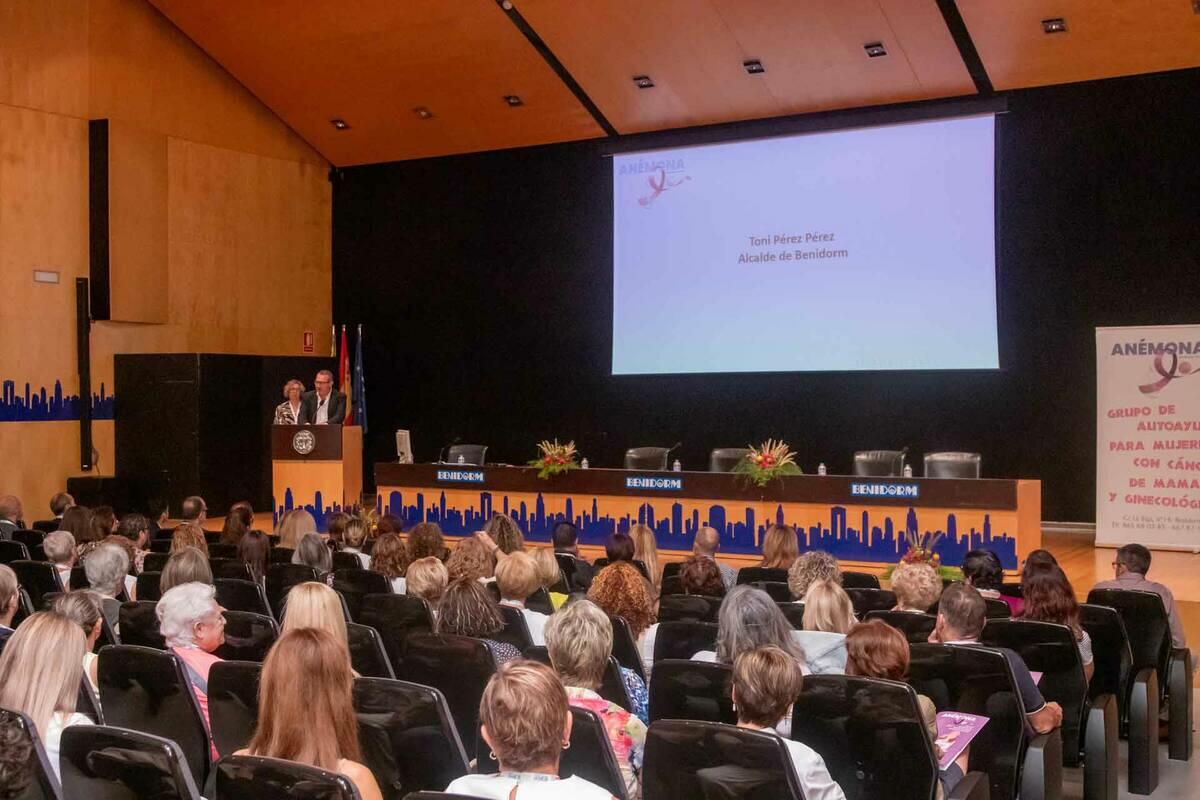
344, 381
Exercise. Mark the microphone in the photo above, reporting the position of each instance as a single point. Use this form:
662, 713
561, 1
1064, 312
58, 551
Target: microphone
445, 447
673, 448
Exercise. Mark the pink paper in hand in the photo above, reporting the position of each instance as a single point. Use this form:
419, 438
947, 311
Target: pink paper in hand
955, 731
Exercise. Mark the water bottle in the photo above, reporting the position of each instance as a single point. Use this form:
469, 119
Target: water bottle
462, 459
908, 470
583, 464
821, 469
677, 467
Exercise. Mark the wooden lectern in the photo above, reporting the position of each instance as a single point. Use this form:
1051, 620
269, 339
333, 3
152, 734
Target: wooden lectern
319, 465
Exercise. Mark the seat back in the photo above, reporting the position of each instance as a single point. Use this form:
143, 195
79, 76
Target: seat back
112, 763
688, 759
879, 463
953, 465
994, 608
1112, 658
11, 551
356, 583
149, 586
683, 639
162, 546
683, 607
367, 655
43, 783
473, 454
758, 574
726, 459
395, 617
218, 550
255, 778
670, 568
233, 704
698, 690
236, 594
566, 565
230, 568
280, 555
612, 688
248, 636
38, 578
346, 561
977, 680
516, 630
646, 458
148, 691
458, 666
33, 537
625, 647
779, 592
87, 702
139, 625
540, 600
867, 600
1146, 625
915, 627
871, 735
281, 578
859, 580
155, 562
408, 737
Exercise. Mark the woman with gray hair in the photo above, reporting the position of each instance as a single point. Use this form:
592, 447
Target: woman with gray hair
288, 412
191, 621
311, 551
106, 568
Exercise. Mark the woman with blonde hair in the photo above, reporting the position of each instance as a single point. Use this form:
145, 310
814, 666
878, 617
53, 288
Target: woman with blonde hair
40, 672
645, 550
354, 536
917, 587
780, 547
815, 565
294, 525
83, 608
549, 574
316, 726
315, 605
427, 578
828, 617
526, 721
471, 559
288, 412
466, 609
390, 559
188, 565
189, 534
504, 531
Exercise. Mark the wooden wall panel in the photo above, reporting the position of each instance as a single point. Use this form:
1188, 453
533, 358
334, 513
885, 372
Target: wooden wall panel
44, 55
137, 223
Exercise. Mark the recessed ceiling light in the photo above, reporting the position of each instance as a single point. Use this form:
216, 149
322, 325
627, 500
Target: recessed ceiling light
423, 112
754, 66
1055, 25
513, 100
340, 124
643, 82
875, 49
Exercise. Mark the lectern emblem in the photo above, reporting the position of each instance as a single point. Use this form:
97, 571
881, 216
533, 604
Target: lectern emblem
303, 442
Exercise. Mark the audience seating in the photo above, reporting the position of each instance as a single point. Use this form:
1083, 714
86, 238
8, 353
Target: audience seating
540, 601
879, 463
686, 759
37, 578
87, 702
255, 778
683, 639
859, 580
343, 560
233, 704
647, 458
212, 537
625, 647
759, 574
38, 532
155, 562
367, 656
612, 688
873, 739
25, 607
356, 583
281, 578
226, 552
162, 546
794, 612
149, 586
281, 555
726, 459
602, 562
516, 630
915, 627
240, 595
590, 755
139, 625
978, 680
458, 666
694, 607
699, 690
953, 465
248, 636
148, 691
230, 568
779, 592
1089, 726
996, 609
566, 565
43, 784
673, 585
11, 551
408, 738
112, 763
868, 600
671, 568
395, 617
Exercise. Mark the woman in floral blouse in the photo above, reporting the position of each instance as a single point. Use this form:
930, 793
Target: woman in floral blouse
288, 412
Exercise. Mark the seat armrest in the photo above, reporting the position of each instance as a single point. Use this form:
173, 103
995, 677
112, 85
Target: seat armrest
1179, 704
1101, 753
973, 786
1143, 732
1041, 774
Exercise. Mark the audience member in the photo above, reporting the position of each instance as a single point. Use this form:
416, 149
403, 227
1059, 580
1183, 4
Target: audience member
425, 539
505, 533
828, 617
189, 534
316, 726
77, 521
707, 543
427, 578
566, 541
526, 721
645, 550
1049, 597
766, 682
389, 523
621, 591
188, 565
815, 565
354, 538
780, 547
700, 575
254, 548
315, 605
10, 516
579, 642
619, 547
59, 548
104, 522
106, 568
466, 609
59, 504
194, 510
472, 559
335, 527
960, 620
135, 529
517, 579
294, 525
10, 602
84, 608
749, 619
311, 551
1038, 559
237, 522
982, 570
158, 512
193, 625
390, 559
550, 575
917, 587
1130, 567
16, 760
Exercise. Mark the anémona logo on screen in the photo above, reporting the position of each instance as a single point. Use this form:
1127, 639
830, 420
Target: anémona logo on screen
661, 175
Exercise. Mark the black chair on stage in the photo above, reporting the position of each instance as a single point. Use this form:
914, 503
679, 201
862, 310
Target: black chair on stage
233, 568
233, 704
590, 755
685, 607
726, 459
625, 648
612, 687
647, 458
879, 463
473, 454
1089, 726
687, 759
139, 625
343, 560
155, 562
760, 574
457, 666
1149, 632
953, 465
915, 627
256, 778
868, 600
516, 630
248, 636
683, 639
356, 583
11, 551
994, 608
395, 617
43, 783
408, 738
281, 555
794, 613
859, 580
280, 580
367, 655
978, 680
148, 691
873, 739
149, 586
161, 546
240, 595
114, 763
684, 689
38, 578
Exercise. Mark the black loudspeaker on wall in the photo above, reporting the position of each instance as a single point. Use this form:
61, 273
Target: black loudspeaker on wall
83, 350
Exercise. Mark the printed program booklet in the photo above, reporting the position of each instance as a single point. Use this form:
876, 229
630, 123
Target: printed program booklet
955, 731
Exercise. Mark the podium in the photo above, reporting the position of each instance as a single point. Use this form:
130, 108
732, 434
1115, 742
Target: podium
316, 466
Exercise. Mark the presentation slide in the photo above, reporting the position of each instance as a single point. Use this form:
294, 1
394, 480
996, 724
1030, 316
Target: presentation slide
863, 249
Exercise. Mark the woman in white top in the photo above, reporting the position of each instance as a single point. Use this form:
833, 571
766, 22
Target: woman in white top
1049, 597
517, 578
288, 412
83, 608
526, 721
390, 559
354, 536
828, 617
40, 672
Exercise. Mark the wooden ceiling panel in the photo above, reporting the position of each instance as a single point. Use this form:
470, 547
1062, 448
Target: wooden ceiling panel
693, 50
1104, 39
371, 62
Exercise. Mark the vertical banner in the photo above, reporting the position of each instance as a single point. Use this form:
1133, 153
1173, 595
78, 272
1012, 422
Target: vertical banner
1148, 436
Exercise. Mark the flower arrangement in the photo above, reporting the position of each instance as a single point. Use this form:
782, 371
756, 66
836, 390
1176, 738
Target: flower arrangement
920, 551
770, 460
554, 458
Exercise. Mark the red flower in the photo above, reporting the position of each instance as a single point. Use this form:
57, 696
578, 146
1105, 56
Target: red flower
546, 460
560, 460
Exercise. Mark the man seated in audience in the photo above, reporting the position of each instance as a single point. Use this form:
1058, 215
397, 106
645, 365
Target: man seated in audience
566, 541
10, 599
706, 544
59, 504
517, 578
10, 516
1131, 567
960, 619
194, 510
766, 682
59, 548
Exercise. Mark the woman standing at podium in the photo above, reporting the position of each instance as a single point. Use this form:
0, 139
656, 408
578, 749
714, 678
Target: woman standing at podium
288, 412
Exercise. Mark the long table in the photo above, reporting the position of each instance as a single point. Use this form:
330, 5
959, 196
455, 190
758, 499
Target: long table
863, 521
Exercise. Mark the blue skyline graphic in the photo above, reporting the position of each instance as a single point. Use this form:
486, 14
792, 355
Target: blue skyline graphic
321, 512
42, 406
